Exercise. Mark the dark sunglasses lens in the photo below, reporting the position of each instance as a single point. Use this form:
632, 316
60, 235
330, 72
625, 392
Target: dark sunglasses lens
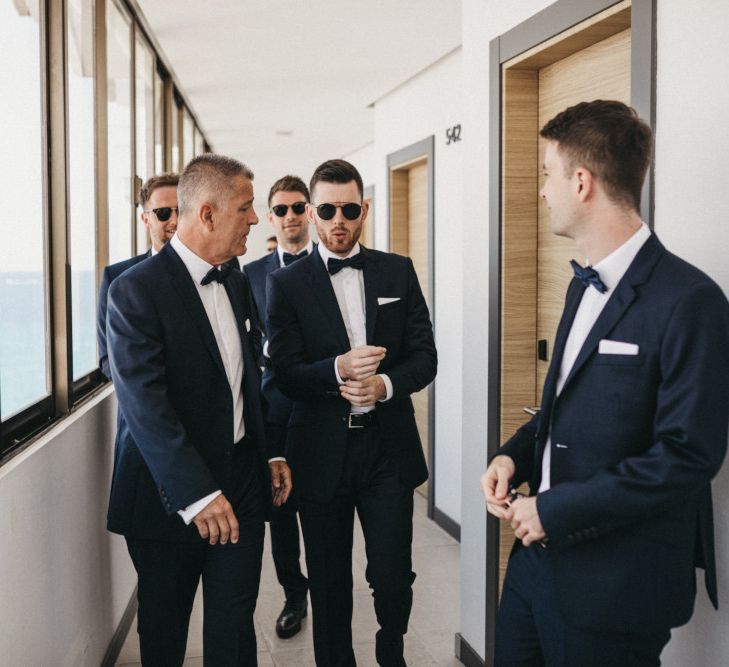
280, 210
163, 214
351, 211
326, 211
299, 207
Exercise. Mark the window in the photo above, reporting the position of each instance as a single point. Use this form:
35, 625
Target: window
175, 124
24, 348
188, 136
159, 123
144, 126
119, 118
81, 190
199, 142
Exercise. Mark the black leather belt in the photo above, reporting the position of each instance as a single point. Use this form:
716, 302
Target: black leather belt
360, 419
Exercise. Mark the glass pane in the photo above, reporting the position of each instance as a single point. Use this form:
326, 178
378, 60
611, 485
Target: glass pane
144, 78
120, 133
175, 136
23, 310
199, 142
188, 137
159, 124
81, 184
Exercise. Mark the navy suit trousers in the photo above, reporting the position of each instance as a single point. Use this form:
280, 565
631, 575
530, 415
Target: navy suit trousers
531, 631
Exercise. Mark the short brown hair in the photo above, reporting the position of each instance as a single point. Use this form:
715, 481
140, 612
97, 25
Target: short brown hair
208, 173
609, 139
336, 171
151, 184
288, 184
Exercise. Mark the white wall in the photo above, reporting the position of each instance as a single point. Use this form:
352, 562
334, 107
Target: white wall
691, 214
64, 581
426, 105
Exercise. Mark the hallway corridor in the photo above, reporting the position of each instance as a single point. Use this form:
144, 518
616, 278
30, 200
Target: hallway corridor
433, 623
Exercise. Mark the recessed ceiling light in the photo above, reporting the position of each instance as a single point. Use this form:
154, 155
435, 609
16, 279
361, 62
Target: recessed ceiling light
284, 133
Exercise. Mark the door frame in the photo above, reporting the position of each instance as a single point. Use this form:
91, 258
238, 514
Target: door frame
400, 158
543, 26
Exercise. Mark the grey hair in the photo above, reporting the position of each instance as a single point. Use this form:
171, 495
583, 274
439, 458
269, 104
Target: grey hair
208, 175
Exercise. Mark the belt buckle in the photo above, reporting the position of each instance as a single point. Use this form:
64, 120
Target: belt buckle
349, 421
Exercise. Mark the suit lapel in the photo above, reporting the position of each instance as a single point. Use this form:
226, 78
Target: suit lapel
620, 300
192, 303
371, 289
326, 298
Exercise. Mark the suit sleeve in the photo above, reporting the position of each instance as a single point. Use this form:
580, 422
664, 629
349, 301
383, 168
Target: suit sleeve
137, 361
690, 427
418, 361
101, 323
297, 378
521, 449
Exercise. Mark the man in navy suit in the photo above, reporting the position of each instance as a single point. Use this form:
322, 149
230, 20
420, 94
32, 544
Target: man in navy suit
190, 487
287, 201
158, 203
350, 339
632, 425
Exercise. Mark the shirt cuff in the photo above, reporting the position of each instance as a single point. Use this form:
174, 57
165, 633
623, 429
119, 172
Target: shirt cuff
336, 371
388, 387
191, 511
265, 349
277, 458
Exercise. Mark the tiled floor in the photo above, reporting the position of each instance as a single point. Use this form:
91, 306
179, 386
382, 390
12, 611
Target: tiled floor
433, 622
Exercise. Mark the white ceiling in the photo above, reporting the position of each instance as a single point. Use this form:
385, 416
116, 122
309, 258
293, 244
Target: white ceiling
252, 68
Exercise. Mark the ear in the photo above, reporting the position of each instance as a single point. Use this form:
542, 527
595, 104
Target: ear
311, 213
145, 219
269, 215
207, 215
585, 183
365, 209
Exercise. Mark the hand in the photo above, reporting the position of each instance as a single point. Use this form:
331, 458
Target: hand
217, 521
525, 520
366, 392
280, 482
495, 484
360, 362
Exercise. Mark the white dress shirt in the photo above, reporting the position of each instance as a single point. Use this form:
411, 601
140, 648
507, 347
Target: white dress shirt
349, 289
611, 270
280, 251
225, 328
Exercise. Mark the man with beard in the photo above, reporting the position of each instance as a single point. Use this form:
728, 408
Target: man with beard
287, 202
350, 339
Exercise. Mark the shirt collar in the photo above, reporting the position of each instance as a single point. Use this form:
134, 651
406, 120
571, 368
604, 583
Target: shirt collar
152, 251
196, 266
615, 265
325, 253
308, 248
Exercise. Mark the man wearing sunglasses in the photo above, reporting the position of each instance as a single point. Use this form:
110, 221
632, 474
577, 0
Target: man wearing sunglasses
350, 339
157, 201
287, 202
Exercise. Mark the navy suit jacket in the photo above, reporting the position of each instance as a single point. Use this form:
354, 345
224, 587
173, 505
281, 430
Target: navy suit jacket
636, 440
305, 335
110, 273
174, 397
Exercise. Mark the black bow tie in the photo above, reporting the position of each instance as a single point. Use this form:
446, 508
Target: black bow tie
588, 276
335, 265
218, 274
290, 258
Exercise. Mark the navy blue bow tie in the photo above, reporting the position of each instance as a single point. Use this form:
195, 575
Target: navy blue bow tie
217, 274
290, 258
335, 265
588, 276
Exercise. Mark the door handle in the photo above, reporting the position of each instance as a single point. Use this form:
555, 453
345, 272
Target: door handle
530, 411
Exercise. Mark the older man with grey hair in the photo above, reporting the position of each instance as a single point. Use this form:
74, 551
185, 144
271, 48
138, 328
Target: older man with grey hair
191, 484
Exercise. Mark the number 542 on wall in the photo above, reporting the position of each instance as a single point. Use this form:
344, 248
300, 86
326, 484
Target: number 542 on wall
453, 134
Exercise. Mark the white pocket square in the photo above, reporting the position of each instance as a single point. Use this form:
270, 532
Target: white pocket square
382, 300
248, 325
617, 347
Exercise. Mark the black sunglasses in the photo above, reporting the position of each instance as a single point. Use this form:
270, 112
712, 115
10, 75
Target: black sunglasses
280, 209
349, 211
164, 213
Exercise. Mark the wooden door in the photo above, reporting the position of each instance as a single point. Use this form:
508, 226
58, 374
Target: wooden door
590, 61
409, 236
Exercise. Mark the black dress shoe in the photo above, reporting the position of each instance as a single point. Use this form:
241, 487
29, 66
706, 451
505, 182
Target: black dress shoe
289, 621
